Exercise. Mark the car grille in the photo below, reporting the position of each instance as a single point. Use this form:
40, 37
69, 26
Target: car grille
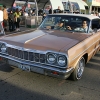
26, 55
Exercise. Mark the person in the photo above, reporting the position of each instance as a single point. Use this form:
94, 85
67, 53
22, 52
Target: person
33, 13
21, 12
17, 15
46, 10
49, 9
44, 16
59, 25
58, 10
96, 14
30, 12
5, 17
83, 28
1, 20
1, 15
25, 14
40, 12
11, 21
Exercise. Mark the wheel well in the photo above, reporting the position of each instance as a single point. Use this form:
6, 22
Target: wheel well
85, 57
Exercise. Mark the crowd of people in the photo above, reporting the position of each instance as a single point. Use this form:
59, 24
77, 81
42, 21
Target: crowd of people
3, 17
12, 19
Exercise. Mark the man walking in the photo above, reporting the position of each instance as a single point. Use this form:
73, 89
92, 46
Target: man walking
5, 17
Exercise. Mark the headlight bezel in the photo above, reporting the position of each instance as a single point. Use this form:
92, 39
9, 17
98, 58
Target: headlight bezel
56, 63
3, 47
51, 54
62, 57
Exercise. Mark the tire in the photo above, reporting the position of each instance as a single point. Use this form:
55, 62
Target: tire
79, 69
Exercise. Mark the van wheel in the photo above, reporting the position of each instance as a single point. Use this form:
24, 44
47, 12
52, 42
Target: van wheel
79, 69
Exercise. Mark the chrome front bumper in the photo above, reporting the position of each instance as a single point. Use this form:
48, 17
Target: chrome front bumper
38, 68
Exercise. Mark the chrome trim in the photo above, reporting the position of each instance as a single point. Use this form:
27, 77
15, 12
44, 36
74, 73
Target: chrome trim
55, 56
45, 67
34, 38
83, 51
3, 48
63, 57
94, 50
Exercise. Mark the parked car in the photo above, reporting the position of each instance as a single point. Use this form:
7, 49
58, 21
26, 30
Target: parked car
59, 47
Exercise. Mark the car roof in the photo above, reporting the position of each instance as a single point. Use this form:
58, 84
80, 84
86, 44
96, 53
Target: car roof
80, 15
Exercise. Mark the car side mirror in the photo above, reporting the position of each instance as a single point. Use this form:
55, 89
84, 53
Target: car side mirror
95, 30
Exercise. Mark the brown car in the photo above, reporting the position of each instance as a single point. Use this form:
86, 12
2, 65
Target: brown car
60, 47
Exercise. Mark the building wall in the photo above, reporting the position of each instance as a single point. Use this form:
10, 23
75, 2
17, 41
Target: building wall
94, 5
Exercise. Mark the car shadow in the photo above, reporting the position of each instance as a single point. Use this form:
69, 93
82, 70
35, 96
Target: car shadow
10, 91
93, 66
97, 55
5, 67
94, 62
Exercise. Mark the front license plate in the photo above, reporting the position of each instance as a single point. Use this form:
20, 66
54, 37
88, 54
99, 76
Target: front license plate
23, 67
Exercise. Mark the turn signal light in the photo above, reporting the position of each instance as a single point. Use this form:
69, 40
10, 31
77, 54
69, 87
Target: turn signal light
55, 73
1, 58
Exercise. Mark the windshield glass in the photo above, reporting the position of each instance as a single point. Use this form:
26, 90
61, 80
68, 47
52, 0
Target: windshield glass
66, 23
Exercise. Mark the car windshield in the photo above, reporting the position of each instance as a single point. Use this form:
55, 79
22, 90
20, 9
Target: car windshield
66, 23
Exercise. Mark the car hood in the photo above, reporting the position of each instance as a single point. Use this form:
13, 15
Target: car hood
43, 40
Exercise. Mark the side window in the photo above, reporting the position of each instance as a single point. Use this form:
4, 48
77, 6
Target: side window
95, 24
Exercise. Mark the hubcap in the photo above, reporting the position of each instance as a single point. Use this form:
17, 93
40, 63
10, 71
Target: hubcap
80, 68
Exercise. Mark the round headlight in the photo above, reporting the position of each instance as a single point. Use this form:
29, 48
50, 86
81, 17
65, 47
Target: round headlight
51, 58
62, 60
3, 48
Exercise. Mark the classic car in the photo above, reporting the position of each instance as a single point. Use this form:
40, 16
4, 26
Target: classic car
59, 47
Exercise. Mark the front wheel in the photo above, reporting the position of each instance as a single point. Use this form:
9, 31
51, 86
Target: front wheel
79, 69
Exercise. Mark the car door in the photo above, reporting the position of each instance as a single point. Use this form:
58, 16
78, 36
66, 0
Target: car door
96, 35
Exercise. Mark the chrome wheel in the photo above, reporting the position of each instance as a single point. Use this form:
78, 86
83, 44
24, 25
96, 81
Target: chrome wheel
79, 69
